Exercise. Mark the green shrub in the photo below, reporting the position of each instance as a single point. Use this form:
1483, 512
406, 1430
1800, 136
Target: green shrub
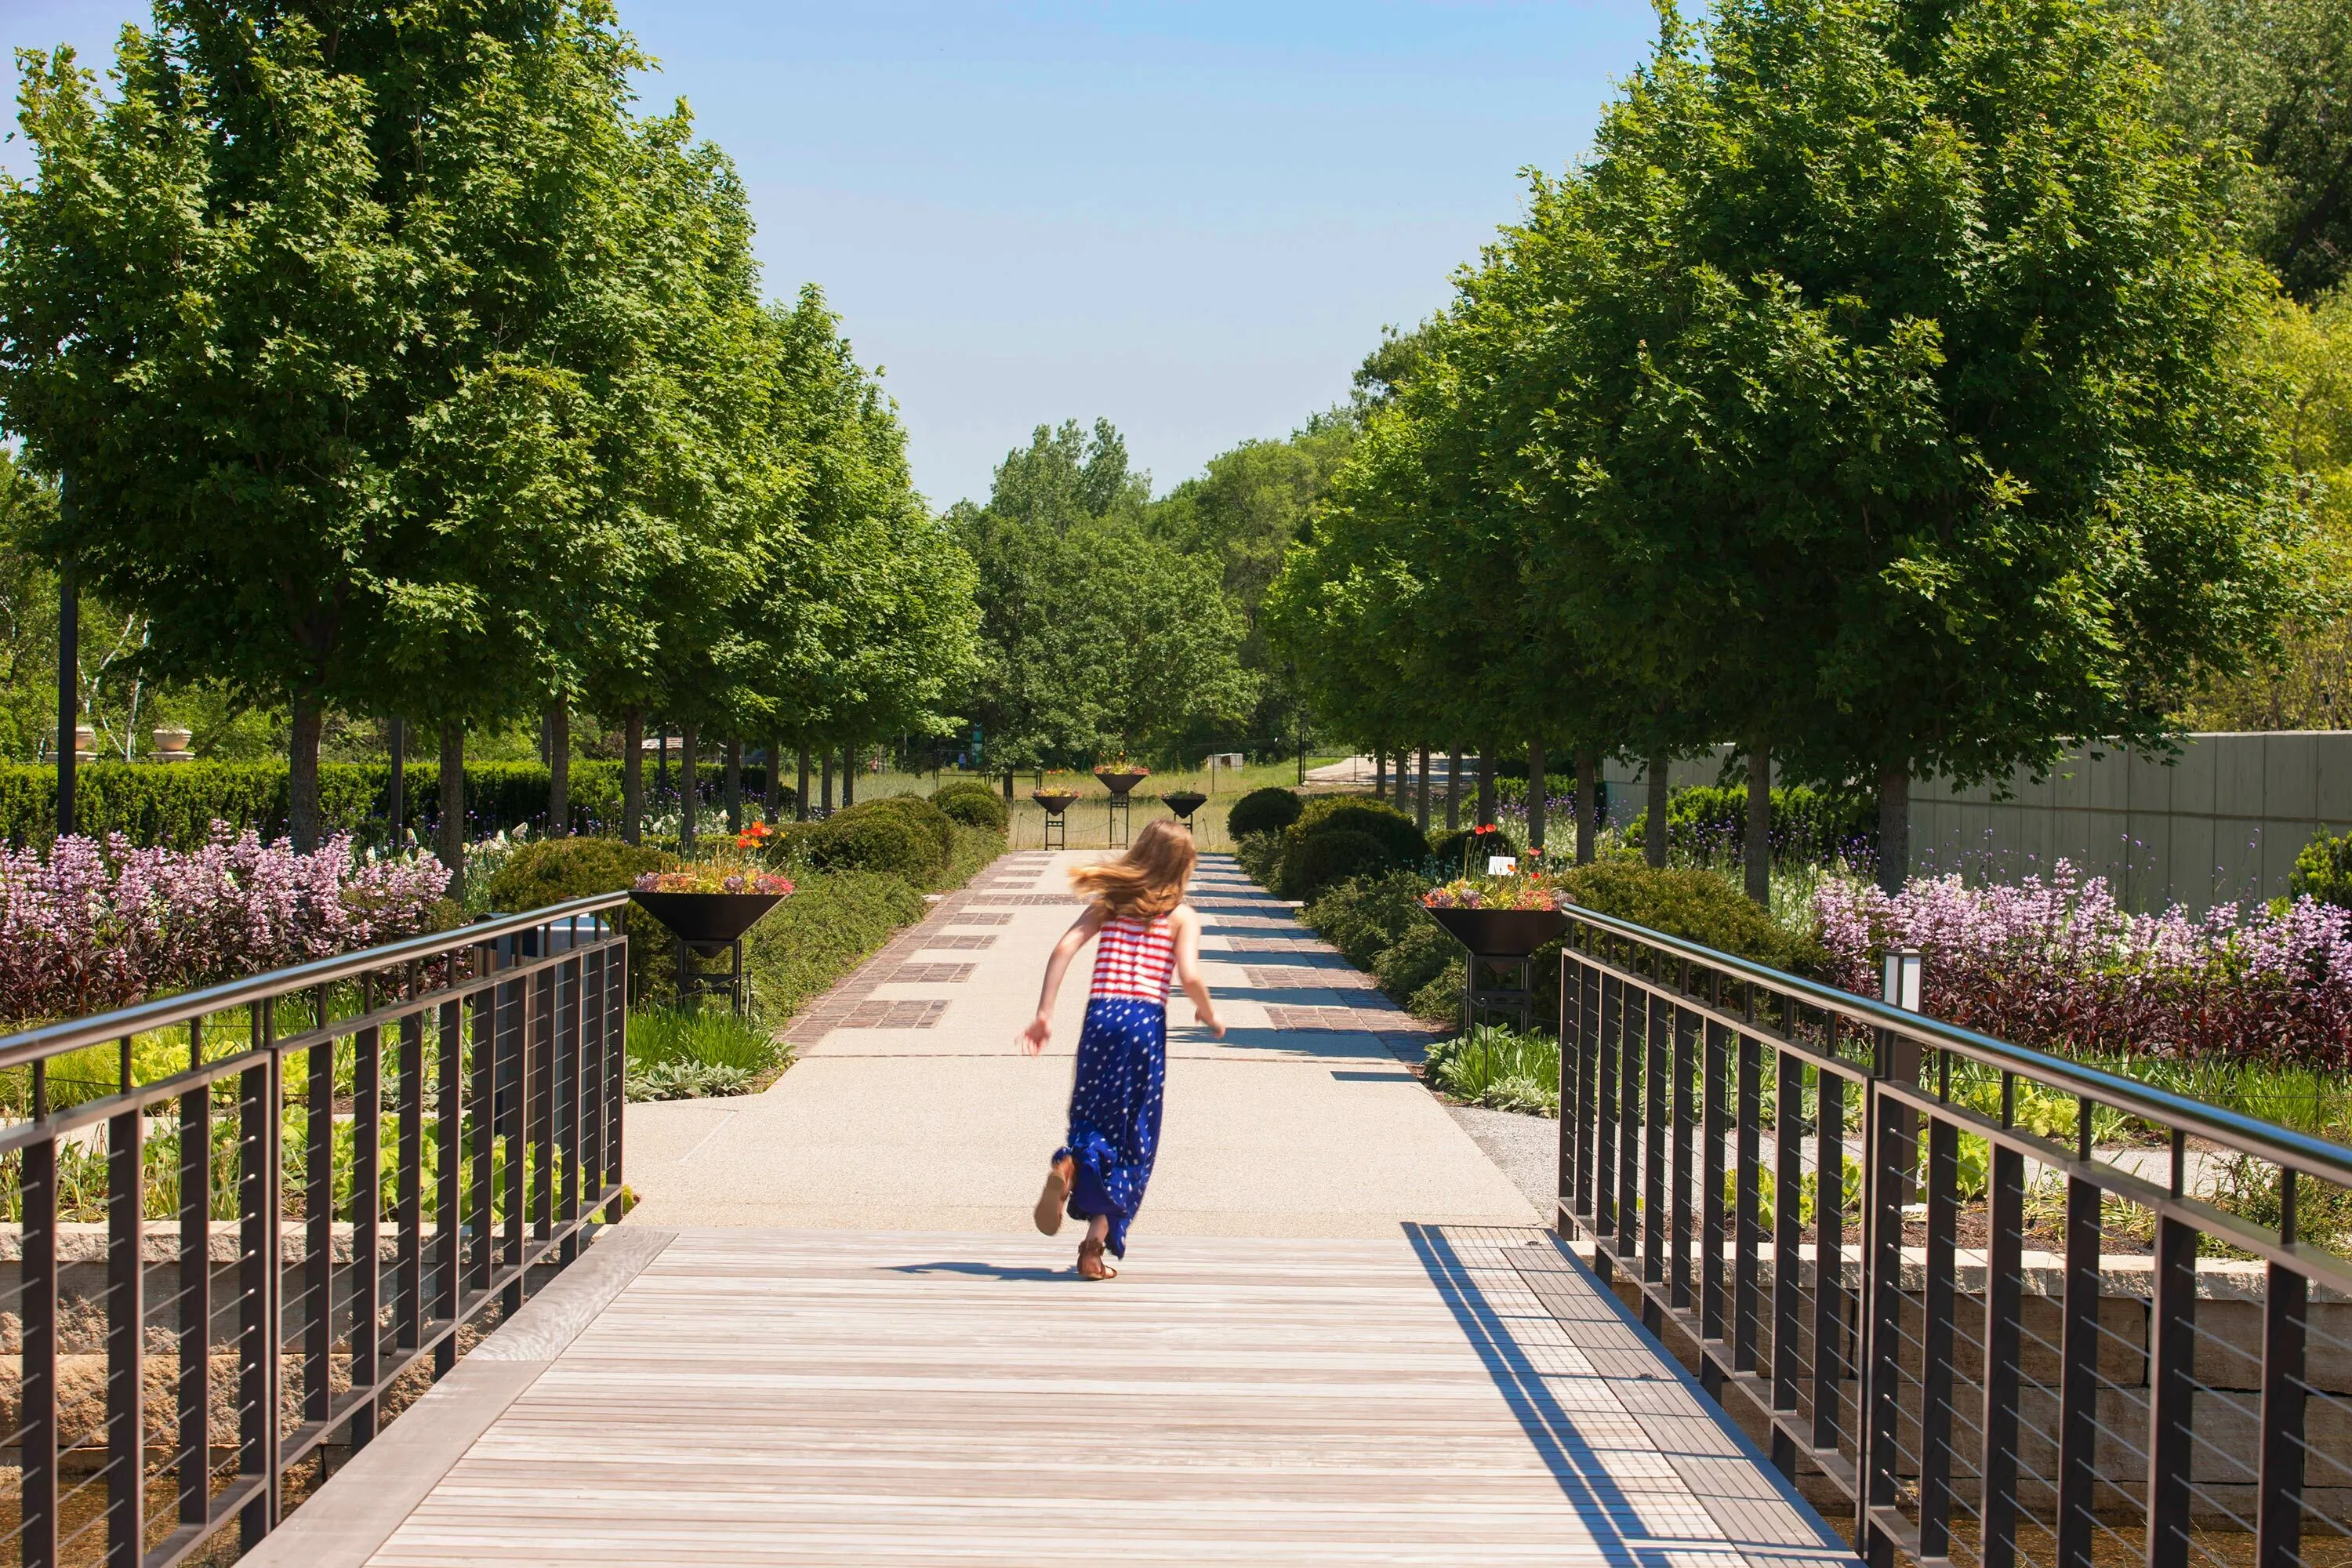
912, 808
706, 1035
1364, 918
555, 871
1401, 842
2324, 871
886, 843
1440, 1001
1415, 959
1500, 1068
1259, 854
1696, 906
824, 930
688, 1080
1328, 857
972, 804
1267, 810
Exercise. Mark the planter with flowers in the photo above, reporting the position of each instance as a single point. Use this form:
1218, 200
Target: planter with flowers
1499, 921
707, 908
1120, 778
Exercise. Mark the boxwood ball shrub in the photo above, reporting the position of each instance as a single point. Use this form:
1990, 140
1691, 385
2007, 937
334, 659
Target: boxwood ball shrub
1401, 842
1267, 810
915, 809
891, 843
973, 805
1335, 856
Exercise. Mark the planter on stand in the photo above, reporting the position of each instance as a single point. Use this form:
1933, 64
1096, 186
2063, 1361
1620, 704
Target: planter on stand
1055, 802
1184, 803
1500, 942
709, 925
1120, 783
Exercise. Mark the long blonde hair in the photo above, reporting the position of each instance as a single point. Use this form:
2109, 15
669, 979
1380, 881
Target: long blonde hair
1148, 880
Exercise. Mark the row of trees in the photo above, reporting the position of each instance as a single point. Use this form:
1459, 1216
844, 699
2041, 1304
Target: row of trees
1113, 624
391, 364
1885, 393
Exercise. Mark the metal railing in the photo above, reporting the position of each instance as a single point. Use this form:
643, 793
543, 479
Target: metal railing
2168, 1377
254, 1254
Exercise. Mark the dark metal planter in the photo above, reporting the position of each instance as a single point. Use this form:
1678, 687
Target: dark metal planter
1055, 802
709, 925
1499, 983
1120, 785
1184, 803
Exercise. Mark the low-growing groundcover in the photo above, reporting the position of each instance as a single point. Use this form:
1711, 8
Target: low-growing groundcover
688, 1053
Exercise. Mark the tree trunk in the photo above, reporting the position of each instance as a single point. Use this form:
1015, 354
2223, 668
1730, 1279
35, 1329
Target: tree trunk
1008, 790
1534, 794
689, 787
824, 800
558, 767
732, 790
301, 772
1893, 827
1654, 823
800, 790
69, 691
1759, 822
1421, 809
1404, 776
661, 765
771, 787
1453, 789
395, 793
848, 777
1587, 792
449, 836
1486, 785
633, 775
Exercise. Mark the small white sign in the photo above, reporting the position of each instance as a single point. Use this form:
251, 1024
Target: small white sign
1501, 865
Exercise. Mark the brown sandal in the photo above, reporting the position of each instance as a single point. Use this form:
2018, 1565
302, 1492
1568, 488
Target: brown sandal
1091, 1251
1050, 1202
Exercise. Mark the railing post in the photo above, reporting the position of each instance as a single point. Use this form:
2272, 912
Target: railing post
1788, 1299
1587, 1058
261, 1355
1633, 1019
1657, 1051
367, 1203
2078, 1431
1935, 1362
126, 1341
1604, 1175
195, 1304
2003, 1340
1571, 1092
38, 1310
2171, 1389
1886, 1148
1711, 1204
1750, 1195
1685, 1024
2278, 1532
1829, 1254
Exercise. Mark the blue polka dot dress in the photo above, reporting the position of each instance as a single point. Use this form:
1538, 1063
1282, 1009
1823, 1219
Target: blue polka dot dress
1122, 1075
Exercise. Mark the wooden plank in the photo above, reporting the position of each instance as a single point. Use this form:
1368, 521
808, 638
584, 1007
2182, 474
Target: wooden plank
845, 1397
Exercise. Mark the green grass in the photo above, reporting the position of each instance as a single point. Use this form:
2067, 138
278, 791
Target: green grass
689, 1052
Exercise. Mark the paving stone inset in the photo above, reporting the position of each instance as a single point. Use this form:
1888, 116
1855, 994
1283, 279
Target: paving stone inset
1295, 979
1024, 899
929, 974
973, 919
960, 943
878, 1014
1277, 944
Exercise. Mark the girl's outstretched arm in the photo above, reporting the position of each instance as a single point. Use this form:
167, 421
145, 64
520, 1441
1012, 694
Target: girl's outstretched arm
1188, 969
1082, 931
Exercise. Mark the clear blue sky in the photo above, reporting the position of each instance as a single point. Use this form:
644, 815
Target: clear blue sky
1190, 218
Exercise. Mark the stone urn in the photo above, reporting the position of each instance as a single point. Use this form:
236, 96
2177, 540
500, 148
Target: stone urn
172, 745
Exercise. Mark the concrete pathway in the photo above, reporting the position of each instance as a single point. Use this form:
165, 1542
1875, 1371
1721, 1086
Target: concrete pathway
912, 1108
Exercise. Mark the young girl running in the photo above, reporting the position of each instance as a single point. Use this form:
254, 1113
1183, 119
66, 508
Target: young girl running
1146, 930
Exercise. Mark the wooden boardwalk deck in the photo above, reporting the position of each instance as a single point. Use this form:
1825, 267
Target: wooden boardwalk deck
1454, 1396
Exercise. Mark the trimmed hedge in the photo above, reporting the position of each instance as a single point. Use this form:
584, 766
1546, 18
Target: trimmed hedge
1267, 810
175, 805
1323, 858
912, 808
1697, 906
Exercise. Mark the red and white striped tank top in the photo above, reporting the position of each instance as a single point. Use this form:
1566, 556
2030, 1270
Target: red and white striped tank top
1134, 958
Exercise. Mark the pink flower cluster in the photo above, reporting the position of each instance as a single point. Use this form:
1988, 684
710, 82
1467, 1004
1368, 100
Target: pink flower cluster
91, 926
2057, 962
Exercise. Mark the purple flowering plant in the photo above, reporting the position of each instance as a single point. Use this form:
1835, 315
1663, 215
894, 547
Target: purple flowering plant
92, 926
2057, 963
